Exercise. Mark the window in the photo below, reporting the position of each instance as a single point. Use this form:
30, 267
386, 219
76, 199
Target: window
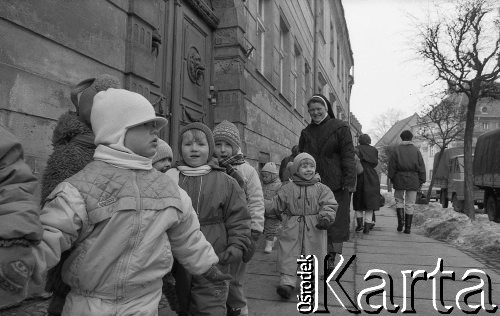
332, 44
338, 60
484, 109
321, 19
307, 82
261, 36
430, 174
283, 48
485, 126
295, 76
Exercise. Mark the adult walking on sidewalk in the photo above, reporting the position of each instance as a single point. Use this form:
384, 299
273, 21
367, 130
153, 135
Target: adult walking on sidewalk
407, 173
329, 141
366, 199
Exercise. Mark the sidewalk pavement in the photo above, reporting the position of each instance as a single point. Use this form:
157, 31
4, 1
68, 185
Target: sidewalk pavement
383, 248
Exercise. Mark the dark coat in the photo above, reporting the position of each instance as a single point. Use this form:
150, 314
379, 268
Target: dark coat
73, 143
19, 211
367, 195
330, 143
406, 167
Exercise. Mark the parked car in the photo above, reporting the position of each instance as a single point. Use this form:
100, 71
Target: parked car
486, 169
435, 192
449, 177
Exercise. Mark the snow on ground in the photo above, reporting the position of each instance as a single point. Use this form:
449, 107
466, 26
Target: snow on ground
455, 228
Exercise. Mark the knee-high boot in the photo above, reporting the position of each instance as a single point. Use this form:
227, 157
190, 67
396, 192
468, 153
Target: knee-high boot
359, 221
408, 219
401, 221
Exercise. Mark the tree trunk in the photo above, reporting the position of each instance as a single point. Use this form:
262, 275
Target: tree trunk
468, 178
441, 151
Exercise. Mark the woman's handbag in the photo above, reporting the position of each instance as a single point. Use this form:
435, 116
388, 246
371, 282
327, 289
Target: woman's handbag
359, 166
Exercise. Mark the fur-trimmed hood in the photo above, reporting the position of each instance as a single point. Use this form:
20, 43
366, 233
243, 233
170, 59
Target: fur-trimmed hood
68, 126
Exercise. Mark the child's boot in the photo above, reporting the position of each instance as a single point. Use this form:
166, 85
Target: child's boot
285, 291
359, 221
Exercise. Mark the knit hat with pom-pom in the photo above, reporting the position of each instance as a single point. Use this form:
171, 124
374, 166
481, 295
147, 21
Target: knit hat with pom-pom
229, 133
270, 167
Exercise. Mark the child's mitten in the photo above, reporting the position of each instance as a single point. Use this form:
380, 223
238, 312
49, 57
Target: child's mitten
16, 267
232, 254
323, 223
215, 275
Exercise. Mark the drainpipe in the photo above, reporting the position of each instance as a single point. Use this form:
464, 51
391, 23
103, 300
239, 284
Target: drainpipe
315, 48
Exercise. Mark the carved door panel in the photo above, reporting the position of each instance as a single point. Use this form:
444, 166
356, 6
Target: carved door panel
191, 76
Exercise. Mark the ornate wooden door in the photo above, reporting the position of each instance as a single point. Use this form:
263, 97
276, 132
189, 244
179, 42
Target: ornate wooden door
191, 70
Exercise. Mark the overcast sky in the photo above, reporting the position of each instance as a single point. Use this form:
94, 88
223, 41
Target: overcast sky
387, 71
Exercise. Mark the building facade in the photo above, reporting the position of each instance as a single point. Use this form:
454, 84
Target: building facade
254, 63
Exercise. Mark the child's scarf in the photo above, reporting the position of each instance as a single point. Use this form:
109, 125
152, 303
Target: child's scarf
194, 172
302, 182
122, 157
272, 179
228, 164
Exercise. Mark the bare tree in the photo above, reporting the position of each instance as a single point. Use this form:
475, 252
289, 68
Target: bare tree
465, 55
440, 125
384, 154
383, 122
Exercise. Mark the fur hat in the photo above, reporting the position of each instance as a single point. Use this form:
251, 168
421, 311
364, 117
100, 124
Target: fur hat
229, 133
83, 93
116, 110
270, 167
364, 139
323, 100
297, 161
202, 127
163, 151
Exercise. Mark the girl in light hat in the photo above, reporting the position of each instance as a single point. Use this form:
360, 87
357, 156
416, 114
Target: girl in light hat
123, 220
308, 209
270, 187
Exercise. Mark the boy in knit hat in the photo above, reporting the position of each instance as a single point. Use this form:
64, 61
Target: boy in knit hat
228, 152
162, 161
307, 207
222, 211
122, 219
73, 142
270, 187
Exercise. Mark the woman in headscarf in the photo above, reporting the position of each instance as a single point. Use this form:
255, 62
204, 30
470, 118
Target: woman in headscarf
329, 141
367, 196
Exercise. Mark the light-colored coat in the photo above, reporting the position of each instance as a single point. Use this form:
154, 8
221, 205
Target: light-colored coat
254, 195
301, 207
124, 225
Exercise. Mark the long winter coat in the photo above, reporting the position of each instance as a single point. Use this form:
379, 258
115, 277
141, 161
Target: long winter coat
367, 195
406, 167
330, 143
221, 207
125, 226
301, 207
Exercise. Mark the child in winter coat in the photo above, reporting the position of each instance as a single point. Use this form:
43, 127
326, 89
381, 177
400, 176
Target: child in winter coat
220, 205
230, 157
271, 184
122, 219
20, 227
73, 142
162, 161
307, 207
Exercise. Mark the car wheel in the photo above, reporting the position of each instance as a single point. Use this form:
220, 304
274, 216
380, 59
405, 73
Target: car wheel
458, 205
491, 208
480, 206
